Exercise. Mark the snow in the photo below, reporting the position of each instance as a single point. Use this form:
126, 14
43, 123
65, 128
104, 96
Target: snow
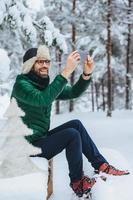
4, 102
114, 187
15, 16
29, 29
113, 137
28, 187
48, 37
35, 4
2, 11
15, 161
5, 65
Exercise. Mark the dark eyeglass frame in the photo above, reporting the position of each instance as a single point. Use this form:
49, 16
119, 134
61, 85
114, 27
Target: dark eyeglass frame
41, 62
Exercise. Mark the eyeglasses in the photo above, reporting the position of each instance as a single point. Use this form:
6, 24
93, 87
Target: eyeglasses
41, 62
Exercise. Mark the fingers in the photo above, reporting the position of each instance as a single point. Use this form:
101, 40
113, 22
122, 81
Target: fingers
74, 52
75, 55
89, 60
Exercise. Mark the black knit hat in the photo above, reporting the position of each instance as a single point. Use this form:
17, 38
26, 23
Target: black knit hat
33, 54
30, 54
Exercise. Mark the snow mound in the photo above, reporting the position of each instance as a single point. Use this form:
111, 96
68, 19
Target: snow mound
27, 187
115, 187
41, 163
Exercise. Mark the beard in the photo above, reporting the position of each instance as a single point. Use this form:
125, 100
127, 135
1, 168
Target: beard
43, 72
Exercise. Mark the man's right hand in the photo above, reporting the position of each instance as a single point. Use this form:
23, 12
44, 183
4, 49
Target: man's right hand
71, 63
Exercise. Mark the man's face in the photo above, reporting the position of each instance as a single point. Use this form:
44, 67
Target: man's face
41, 67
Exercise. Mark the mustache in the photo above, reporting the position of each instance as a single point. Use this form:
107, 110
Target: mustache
44, 68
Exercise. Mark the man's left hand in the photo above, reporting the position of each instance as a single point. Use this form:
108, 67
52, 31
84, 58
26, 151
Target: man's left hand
88, 65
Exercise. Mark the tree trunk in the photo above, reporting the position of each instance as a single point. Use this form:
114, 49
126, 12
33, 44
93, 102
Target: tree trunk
103, 94
109, 53
71, 105
92, 95
97, 95
128, 67
113, 91
58, 59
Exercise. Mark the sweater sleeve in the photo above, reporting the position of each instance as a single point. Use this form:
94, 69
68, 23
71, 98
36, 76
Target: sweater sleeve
70, 92
27, 93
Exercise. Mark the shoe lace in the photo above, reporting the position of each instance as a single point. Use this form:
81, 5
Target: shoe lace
110, 167
83, 186
77, 188
86, 179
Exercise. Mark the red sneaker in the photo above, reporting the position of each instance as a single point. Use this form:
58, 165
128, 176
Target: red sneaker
109, 169
83, 186
87, 184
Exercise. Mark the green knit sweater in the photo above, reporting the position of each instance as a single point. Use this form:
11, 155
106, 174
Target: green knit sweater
36, 100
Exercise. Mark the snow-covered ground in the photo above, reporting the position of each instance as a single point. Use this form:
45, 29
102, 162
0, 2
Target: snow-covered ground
27, 187
4, 102
114, 137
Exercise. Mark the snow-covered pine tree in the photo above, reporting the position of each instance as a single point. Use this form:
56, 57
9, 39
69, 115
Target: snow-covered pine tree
15, 152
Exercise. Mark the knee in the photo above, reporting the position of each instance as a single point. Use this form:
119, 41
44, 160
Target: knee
73, 133
77, 122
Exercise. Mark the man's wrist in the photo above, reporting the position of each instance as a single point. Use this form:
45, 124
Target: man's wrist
87, 74
86, 77
65, 74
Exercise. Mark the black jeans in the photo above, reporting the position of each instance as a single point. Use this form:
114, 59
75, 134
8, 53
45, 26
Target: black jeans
73, 137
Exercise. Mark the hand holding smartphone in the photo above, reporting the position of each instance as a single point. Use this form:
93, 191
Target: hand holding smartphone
83, 56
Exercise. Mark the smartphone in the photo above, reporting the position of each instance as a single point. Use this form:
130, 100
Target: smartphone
83, 55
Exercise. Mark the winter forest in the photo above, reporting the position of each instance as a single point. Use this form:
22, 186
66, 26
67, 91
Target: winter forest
103, 28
